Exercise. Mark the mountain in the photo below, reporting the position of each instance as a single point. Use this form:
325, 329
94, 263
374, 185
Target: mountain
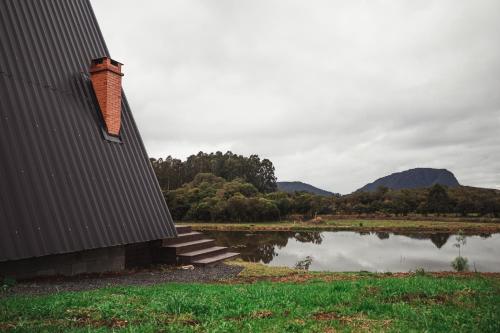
291, 187
414, 178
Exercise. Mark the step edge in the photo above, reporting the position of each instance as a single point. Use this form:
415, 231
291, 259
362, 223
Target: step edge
180, 245
210, 260
202, 251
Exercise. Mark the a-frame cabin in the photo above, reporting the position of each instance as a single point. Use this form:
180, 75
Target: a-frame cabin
77, 191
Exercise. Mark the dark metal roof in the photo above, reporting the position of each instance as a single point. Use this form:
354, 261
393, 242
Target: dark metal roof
63, 187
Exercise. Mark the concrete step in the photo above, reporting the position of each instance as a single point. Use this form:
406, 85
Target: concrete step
215, 259
183, 238
190, 246
183, 229
189, 257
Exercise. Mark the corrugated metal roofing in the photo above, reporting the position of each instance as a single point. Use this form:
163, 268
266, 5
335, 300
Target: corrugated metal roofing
63, 188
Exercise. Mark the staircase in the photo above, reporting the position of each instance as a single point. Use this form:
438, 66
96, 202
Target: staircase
192, 248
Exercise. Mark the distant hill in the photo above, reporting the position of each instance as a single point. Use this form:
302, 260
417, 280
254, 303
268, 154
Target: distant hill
291, 187
414, 178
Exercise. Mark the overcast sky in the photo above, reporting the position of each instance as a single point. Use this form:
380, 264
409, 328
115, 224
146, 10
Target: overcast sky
334, 93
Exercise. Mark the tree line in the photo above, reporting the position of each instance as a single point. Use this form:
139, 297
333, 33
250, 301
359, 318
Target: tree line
212, 198
172, 173
438, 200
229, 187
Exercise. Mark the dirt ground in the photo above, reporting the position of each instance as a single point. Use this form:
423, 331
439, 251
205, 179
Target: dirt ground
149, 276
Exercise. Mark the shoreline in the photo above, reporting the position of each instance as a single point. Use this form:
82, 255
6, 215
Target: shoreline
357, 225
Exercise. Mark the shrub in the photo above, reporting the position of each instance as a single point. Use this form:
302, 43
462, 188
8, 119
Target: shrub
304, 263
460, 264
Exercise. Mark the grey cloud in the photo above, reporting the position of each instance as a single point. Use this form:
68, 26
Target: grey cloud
335, 93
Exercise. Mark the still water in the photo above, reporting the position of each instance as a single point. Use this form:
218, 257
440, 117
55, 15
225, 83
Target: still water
354, 251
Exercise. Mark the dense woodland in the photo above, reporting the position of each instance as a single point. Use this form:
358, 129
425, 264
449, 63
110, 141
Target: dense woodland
172, 173
230, 187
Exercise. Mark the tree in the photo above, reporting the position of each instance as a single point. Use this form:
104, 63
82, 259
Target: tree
460, 263
237, 208
438, 200
173, 173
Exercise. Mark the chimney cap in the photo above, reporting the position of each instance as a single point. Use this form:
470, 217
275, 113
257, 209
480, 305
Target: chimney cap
105, 64
103, 59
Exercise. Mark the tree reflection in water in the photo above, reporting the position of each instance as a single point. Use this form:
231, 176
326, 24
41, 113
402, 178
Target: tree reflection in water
383, 235
438, 239
260, 246
347, 250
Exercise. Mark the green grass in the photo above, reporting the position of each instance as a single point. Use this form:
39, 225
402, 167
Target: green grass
369, 302
258, 270
354, 225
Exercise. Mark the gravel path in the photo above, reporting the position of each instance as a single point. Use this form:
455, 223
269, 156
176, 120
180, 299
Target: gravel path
151, 276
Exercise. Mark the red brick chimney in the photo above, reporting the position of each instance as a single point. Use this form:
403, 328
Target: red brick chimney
106, 76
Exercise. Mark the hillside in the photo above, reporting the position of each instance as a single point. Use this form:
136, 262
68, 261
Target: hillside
292, 187
414, 178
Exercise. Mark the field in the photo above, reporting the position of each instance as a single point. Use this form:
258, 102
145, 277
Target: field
355, 225
266, 299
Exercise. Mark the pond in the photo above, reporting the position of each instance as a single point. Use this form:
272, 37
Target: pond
353, 251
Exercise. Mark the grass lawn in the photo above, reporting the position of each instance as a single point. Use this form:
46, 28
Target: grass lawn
354, 225
312, 303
